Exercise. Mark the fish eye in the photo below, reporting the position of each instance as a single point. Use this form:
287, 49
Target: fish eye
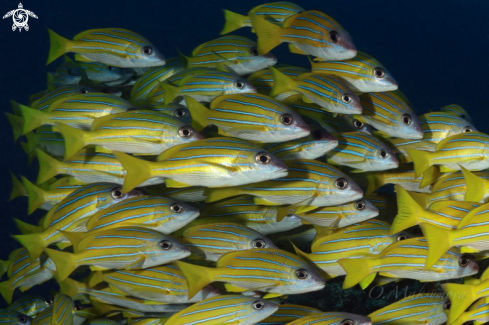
147, 50
358, 124
254, 51
186, 132
263, 158
317, 135
447, 305
379, 72
464, 260
301, 274
78, 305
48, 301
462, 116
335, 37
117, 193
468, 129
109, 68
259, 243
401, 237
165, 244
347, 322
287, 119
177, 208
361, 205
406, 119
383, 154
346, 98
83, 91
69, 71
341, 183
258, 305
240, 84
180, 112
22, 318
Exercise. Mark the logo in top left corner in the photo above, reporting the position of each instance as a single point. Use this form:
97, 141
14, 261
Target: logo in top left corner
20, 17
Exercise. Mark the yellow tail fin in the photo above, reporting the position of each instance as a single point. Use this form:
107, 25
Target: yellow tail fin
375, 180
171, 92
461, 296
75, 139
232, 22
58, 47
18, 189
476, 186
95, 278
281, 82
356, 270
430, 176
217, 194
421, 160
65, 262
197, 276
34, 243
439, 242
48, 166
26, 228
32, 118
269, 34
421, 199
17, 124
70, 287
408, 211
198, 113
7, 291
4, 266
35, 194
137, 170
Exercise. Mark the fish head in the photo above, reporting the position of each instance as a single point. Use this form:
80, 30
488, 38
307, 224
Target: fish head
340, 47
145, 54
467, 265
319, 142
167, 249
255, 61
259, 309
262, 165
345, 99
290, 125
238, 85
378, 79
383, 158
364, 210
343, 188
304, 278
260, 241
187, 134
113, 194
178, 214
209, 291
354, 319
409, 126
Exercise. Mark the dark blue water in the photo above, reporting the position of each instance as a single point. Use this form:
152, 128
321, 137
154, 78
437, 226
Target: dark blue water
436, 50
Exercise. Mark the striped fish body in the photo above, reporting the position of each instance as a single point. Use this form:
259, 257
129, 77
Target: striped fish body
142, 132
177, 110
426, 308
63, 310
209, 162
102, 73
311, 113
401, 147
264, 269
385, 202
468, 150
331, 94
225, 309
77, 111
363, 152
72, 214
244, 211
59, 93
186, 194
479, 313
362, 74
30, 305
287, 313
439, 126
457, 110
147, 321
339, 216
45, 317
212, 241
403, 176
164, 283
391, 114
252, 117
46, 139
203, 85
308, 32
263, 79
308, 183
448, 206
235, 53
12, 317
67, 73
112, 46
332, 318
153, 212
477, 186
406, 259
148, 84
119, 248
315, 145
367, 238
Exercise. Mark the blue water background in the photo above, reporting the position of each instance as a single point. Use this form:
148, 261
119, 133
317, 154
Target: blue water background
438, 52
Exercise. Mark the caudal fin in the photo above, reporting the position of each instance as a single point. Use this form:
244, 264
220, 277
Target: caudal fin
217, 194
17, 124
171, 92
439, 242
18, 189
269, 34
65, 262
356, 270
58, 46
476, 186
408, 211
461, 296
421, 160
34, 243
35, 194
137, 170
281, 82
75, 139
48, 166
32, 118
26, 228
233, 21
95, 278
198, 113
375, 180
7, 291
197, 277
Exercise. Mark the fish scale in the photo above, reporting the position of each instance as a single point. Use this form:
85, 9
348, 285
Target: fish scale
438, 126
457, 110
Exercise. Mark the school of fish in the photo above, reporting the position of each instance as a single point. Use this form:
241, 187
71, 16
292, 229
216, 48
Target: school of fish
207, 188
